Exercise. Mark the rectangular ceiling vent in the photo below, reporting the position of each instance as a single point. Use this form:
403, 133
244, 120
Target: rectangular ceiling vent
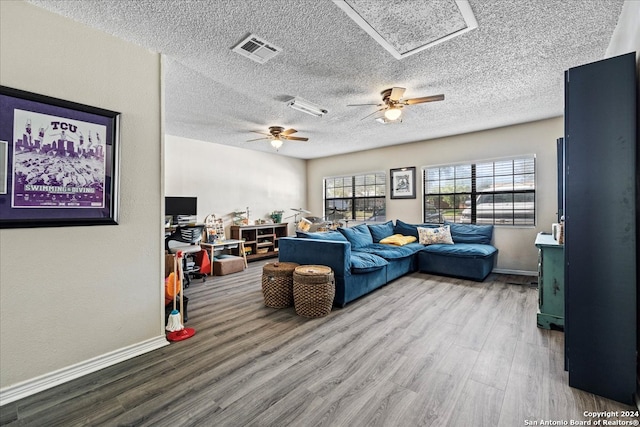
257, 49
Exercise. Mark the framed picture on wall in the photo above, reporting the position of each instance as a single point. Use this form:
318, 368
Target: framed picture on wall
58, 162
403, 183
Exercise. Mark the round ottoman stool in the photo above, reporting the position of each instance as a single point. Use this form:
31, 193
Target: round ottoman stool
277, 284
313, 290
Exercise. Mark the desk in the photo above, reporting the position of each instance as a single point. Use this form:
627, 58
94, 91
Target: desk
222, 245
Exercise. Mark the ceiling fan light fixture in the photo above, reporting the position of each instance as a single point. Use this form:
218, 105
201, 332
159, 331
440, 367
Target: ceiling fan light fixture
383, 120
276, 143
393, 113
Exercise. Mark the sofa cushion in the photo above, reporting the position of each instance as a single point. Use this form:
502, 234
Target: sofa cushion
362, 262
431, 236
471, 233
359, 236
323, 235
380, 231
407, 229
462, 250
398, 240
390, 252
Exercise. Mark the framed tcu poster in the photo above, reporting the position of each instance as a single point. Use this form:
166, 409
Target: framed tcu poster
58, 162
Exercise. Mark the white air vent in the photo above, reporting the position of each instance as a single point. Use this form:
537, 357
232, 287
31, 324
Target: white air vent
257, 49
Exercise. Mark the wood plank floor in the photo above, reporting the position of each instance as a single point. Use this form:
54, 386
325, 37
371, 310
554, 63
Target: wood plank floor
421, 351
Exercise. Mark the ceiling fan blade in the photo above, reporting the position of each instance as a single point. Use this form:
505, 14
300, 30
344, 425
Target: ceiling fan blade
396, 93
295, 138
261, 133
288, 132
257, 139
369, 115
361, 105
423, 99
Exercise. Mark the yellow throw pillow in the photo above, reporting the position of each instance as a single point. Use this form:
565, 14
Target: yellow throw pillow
398, 240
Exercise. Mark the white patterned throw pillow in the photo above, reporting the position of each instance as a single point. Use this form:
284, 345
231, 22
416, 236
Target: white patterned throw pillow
431, 236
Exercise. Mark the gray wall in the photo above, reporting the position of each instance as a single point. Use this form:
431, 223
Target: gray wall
227, 178
74, 299
517, 251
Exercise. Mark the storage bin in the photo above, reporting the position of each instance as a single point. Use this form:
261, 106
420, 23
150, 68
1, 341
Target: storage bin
277, 284
313, 290
227, 264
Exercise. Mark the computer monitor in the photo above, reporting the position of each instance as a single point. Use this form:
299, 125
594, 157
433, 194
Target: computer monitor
180, 206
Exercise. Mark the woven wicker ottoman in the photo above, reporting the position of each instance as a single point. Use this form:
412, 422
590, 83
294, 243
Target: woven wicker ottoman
277, 284
313, 290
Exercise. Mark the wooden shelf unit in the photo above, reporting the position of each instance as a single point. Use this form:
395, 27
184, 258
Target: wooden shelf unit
260, 241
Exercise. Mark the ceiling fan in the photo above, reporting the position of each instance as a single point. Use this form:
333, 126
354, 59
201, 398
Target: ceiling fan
278, 135
392, 103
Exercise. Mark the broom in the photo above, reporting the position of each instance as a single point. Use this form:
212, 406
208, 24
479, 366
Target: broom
180, 333
174, 323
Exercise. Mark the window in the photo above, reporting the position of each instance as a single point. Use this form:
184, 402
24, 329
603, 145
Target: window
500, 192
357, 197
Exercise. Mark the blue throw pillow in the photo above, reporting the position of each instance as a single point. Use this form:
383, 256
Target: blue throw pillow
359, 236
362, 262
470, 233
380, 231
324, 235
410, 229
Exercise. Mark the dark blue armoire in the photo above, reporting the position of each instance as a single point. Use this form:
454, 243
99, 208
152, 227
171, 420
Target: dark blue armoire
601, 205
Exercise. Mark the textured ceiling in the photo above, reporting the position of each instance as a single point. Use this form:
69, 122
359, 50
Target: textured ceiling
508, 70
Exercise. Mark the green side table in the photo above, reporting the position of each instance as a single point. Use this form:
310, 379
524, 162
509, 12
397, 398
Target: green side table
550, 282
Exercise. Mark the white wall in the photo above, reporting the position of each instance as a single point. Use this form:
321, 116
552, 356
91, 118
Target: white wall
516, 244
74, 299
626, 36
226, 179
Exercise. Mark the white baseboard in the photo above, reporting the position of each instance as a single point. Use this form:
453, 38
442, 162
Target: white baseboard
52, 379
516, 272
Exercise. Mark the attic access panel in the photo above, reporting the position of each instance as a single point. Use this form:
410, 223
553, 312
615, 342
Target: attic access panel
410, 26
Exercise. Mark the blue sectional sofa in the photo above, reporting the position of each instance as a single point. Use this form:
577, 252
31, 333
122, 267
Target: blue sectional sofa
361, 263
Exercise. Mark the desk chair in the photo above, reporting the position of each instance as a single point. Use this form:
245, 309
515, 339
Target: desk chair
186, 239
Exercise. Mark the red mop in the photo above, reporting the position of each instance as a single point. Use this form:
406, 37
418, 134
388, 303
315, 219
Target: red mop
176, 319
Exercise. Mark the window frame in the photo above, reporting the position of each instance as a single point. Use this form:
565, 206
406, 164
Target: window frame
522, 184
354, 202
